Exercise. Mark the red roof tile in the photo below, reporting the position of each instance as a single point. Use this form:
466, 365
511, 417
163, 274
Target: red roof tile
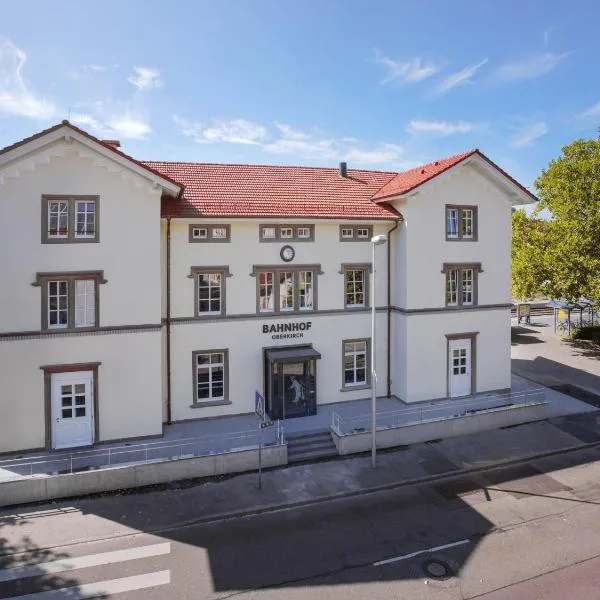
259, 191
408, 180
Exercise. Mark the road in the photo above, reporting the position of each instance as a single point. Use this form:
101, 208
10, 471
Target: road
528, 533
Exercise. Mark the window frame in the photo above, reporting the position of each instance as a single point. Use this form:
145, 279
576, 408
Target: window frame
72, 201
295, 270
459, 268
210, 227
460, 209
367, 383
355, 227
223, 270
43, 280
367, 269
196, 403
280, 238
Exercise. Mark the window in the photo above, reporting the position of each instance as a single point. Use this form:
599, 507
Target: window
461, 284
210, 377
69, 300
356, 233
276, 233
356, 363
461, 223
209, 294
286, 289
356, 285
210, 233
69, 219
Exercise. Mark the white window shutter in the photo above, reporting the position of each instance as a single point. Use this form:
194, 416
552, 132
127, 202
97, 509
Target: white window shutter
85, 303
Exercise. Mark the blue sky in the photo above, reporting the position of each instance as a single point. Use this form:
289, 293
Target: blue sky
382, 85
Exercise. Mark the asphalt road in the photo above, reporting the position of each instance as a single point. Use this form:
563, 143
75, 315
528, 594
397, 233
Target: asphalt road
517, 535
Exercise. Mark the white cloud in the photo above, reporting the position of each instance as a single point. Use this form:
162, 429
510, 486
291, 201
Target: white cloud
290, 133
592, 111
145, 78
382, 153
528, 134
102, 67
438, 127
125, 125
410, 71
235, 131
459, 78
15, 96
530, 67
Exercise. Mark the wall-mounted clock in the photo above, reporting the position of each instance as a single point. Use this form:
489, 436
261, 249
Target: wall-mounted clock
287, 253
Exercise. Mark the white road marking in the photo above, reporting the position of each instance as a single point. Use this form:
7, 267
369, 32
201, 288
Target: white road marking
82, 562
387, 561
110, 586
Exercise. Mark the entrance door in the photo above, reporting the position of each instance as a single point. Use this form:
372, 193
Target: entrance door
72, 409
460, 368
292, 390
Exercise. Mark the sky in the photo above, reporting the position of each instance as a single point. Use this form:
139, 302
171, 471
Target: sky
381, 84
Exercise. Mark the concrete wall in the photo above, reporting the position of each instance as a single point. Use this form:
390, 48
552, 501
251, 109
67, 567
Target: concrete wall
76, 484
443, 428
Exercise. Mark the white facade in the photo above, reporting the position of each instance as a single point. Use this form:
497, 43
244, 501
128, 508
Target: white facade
137, 365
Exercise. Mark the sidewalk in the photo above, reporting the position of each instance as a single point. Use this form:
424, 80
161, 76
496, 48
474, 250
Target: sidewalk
204, 501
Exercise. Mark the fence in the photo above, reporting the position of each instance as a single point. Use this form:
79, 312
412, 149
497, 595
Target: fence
99, 458
435, 411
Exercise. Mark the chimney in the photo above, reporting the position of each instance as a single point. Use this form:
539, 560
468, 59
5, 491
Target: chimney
343, 169
113, 143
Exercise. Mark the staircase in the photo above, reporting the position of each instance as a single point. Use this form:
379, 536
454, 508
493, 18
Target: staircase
307, 446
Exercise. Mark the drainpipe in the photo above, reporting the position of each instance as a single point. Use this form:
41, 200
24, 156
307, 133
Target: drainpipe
168, 341
389, 309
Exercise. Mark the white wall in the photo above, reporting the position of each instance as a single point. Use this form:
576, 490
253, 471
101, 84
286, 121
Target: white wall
128, 251
424, 247
129, 384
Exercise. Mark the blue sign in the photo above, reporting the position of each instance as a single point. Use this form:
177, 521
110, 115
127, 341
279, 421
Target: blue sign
259, 407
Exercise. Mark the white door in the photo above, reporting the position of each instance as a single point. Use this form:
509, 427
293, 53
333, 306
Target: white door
72, 409
460, 368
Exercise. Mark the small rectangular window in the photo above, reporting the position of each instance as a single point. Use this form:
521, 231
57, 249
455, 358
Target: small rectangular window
209, 293
467, 222
303, 232
452, 223
452, 287
278, 232
199, 233
58, 304
305, 290
467, 286
219, 233
286, 233
355, 288
265, 291
356, 233
461, 284
268, 233
356, 361
210, 369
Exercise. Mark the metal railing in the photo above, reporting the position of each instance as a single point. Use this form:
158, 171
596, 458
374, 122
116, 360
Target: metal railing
99, 458
434, 411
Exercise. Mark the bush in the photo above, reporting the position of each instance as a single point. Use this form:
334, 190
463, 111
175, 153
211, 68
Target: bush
589, 332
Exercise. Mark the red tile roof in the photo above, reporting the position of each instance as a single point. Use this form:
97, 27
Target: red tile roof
259, 191
408, 180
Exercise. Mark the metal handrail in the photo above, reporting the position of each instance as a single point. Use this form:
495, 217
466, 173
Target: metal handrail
249, 438
397, 418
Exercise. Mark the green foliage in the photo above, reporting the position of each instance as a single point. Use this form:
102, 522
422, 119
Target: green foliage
590, 332
561, 256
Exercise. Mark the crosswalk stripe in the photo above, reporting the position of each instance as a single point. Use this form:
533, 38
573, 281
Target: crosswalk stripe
81, 562
110, 586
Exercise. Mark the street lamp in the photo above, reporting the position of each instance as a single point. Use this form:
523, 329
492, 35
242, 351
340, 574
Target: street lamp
376, 240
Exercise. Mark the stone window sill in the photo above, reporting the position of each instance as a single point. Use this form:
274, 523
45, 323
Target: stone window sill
352, 388
210, 403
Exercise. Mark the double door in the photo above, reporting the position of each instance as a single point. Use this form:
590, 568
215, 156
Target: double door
291, 389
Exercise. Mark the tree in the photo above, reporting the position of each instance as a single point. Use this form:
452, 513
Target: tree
561, 256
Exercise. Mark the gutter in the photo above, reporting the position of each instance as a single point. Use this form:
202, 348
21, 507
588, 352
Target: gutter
389, 309
168, 321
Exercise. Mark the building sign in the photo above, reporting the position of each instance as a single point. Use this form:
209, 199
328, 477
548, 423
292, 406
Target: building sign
284, 331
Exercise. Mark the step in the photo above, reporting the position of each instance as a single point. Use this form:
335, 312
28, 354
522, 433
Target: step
293, 450
312, 455
298, 443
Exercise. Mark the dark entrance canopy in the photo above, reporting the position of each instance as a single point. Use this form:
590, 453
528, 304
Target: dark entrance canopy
292, 354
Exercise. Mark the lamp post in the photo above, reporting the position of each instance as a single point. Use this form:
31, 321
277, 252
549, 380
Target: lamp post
376, 240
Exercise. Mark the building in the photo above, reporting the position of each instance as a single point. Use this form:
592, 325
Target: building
142, 293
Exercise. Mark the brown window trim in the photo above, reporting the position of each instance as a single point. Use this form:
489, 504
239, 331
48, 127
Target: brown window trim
367, 268
316, 270
49, 370
278, 238
205, 403
209, 230
42, 280
355, 237
460, 237
360, 386
225, 273
71, 199
476, 268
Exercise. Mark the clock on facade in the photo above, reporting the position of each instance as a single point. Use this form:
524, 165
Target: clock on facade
287, 253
